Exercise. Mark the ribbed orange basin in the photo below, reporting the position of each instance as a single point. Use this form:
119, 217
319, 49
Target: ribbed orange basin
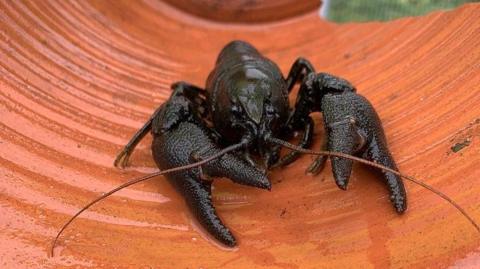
78, 78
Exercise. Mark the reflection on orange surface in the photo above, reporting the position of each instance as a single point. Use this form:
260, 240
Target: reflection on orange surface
77, 80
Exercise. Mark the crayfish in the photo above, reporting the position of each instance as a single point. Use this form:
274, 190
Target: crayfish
235, 128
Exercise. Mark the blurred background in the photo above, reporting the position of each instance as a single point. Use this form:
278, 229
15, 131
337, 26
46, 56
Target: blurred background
383, 10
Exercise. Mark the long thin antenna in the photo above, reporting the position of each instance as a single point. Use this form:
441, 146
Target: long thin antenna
379, 166
140, 179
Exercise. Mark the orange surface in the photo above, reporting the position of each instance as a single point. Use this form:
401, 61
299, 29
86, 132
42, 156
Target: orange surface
78, 79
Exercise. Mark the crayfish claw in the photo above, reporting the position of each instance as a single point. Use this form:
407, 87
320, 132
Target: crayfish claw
378, 152
342, 169
239, 171
342, 136
199, 199
353, 127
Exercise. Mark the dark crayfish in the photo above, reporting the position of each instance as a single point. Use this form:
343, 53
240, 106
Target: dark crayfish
244, 116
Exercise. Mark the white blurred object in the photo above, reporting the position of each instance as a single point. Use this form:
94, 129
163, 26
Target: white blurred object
324, 8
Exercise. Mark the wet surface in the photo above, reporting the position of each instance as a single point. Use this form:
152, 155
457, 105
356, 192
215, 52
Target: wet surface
77, 80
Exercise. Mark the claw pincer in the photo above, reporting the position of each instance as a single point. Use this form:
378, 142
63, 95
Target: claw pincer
353, 127
180, 138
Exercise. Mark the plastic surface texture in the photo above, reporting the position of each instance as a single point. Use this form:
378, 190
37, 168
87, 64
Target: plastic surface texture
78, 79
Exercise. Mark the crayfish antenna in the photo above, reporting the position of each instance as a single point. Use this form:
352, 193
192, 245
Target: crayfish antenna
379, 166
140, 179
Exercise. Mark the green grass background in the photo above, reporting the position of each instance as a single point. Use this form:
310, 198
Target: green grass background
382, 10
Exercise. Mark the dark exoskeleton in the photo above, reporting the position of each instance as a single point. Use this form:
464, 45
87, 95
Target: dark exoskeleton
246, 103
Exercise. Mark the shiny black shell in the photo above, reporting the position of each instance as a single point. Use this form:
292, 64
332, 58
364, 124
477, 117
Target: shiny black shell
240, 71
